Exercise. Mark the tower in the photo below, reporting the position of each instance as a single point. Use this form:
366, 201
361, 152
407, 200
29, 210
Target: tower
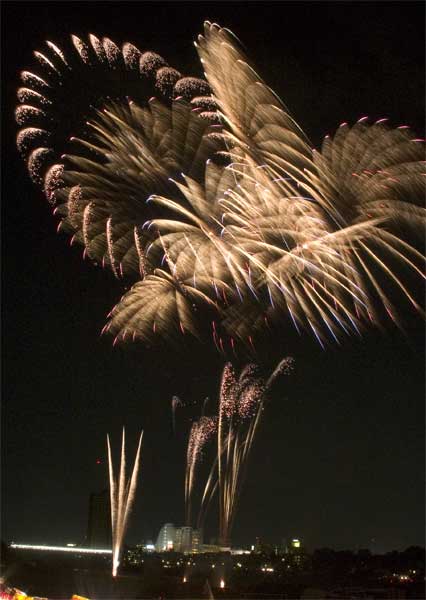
99, 521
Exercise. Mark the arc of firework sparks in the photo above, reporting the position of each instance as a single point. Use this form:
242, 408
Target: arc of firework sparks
280, 231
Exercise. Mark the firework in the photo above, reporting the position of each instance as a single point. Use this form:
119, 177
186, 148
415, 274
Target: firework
241, 403
210, 196
284, 367
176, 402
122, 495
200, 433
205, 402
228, 392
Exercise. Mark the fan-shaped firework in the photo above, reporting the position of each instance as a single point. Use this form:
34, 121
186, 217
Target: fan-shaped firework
211, 197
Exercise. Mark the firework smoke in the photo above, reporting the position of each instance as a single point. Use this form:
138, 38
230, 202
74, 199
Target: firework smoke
122, 495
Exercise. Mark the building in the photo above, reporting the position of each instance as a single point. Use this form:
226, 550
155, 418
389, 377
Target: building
197, 541
99, 521
166, 538
183, 540
296, 553
180, 539
188, 540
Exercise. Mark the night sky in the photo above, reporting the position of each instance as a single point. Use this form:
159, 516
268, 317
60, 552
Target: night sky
339, 460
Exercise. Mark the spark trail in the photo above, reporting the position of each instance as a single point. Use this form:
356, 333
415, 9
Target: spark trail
200, 433
122, 495
241, 404
176, 402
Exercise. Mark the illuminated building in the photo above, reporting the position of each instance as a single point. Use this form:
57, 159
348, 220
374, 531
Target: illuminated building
149, 547
211, 548
166, 538
178, 539
297, 555
99, 521
197, 540
186, 539
181, 539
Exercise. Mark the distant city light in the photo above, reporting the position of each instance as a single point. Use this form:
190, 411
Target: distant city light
71, 545
184, 579
61, 549
222, 584
267, 569
295, 543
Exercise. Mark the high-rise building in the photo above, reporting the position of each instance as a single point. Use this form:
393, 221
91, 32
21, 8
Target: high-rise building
166, 538
178, 539
181, 539
197, 540
99, 521
186, 539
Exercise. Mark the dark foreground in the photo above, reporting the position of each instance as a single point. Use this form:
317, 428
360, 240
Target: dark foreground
323, 574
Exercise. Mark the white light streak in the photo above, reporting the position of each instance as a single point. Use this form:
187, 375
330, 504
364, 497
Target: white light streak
73, 549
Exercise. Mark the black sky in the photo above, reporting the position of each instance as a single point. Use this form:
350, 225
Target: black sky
340, 457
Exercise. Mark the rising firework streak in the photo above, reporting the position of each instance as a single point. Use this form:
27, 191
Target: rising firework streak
176, 402
241, 405
122, 494
201, 432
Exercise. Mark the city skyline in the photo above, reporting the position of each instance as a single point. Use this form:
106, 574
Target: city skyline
342, 441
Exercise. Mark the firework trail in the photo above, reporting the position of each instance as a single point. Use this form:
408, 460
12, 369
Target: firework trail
209, 196
122, 495
200, 433
205, 402
284, 367
176, 402
241, 403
